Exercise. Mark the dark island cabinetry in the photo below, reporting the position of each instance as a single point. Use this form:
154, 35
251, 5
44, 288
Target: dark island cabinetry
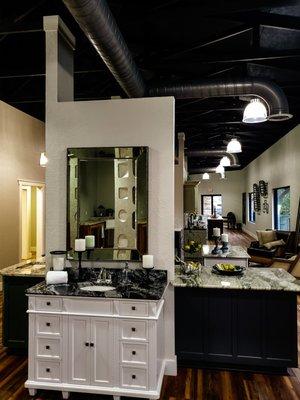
15, 318
217, 327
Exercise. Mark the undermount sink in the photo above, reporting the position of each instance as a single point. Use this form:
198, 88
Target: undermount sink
97, 288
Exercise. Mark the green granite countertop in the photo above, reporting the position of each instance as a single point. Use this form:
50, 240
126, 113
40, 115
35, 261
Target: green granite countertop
252, 279
26, 268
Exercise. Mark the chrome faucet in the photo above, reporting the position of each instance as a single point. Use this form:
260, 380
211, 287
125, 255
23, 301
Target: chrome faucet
125, 272
102, 275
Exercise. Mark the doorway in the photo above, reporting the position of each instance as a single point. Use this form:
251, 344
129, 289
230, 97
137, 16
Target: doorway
32, 220
211, 203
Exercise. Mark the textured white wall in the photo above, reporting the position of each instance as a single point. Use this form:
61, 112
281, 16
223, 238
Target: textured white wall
131, 122
230, 189
279, 166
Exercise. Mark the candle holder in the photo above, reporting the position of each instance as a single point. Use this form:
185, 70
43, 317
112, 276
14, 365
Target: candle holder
89, 252
216, 248
224, 247
79, 264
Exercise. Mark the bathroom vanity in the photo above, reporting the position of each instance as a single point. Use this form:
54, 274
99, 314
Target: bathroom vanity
90, 341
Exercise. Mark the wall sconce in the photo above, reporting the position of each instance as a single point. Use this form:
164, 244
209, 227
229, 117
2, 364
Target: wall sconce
43, 160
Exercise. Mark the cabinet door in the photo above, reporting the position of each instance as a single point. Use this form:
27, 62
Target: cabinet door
79, 350
102, 351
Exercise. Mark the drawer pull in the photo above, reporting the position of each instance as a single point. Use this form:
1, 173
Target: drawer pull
133, 352
48, 303
47, 347
92, 344
133, 376
133, 308
48, 370
133, 329
48, 324
87, 344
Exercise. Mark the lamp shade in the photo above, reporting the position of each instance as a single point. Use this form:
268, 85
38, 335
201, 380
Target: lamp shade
220, 169
43, 160
255, 112
225, 161
205, 176
234, 146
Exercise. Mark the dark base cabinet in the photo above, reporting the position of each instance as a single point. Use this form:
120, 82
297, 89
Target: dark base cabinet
236, 328
15, 319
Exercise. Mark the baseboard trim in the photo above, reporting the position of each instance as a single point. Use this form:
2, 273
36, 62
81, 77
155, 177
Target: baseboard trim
171, 367
249, 233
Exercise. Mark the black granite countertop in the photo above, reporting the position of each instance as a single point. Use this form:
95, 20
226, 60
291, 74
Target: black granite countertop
147, 285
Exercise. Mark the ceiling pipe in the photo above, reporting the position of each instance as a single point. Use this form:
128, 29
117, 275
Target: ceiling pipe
99, 25
269, 92
234, 161
97, 22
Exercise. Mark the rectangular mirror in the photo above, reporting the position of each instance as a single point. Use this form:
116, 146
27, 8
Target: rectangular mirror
107, 196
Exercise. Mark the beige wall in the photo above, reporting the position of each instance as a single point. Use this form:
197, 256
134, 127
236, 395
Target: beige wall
229, 188
21, 142
279, 166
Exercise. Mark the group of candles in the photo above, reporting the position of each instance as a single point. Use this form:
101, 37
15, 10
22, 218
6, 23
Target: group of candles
87, 243
217, 233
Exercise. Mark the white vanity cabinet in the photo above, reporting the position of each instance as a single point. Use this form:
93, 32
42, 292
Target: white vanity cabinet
96, 345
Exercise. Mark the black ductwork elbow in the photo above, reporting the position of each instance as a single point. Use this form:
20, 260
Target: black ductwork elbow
269, 92
234, 160
99, 25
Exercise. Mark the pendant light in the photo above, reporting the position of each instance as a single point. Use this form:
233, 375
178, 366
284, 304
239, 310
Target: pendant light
205, 176
234, 146
225, 162
43, 160
220, 169
255, 112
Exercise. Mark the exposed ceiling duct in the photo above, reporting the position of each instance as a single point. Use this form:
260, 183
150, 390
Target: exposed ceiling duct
99, 25
234, 161
269, 92
97, 22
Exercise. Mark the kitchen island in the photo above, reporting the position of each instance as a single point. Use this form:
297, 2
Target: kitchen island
16, 279
241, 322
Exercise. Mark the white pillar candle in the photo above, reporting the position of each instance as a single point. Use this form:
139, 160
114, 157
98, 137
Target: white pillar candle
90, 241
224, 237
79, 244
148, 261
216, 232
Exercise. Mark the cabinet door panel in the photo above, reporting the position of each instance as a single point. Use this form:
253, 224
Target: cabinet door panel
79, 354
102, 352
249, 326
219, 341
281, 328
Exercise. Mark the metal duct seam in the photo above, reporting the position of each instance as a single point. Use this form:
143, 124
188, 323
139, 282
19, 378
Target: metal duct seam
234, 161
268, 91
97, 22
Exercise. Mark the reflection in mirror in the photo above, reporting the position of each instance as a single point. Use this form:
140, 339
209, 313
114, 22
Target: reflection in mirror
108, 199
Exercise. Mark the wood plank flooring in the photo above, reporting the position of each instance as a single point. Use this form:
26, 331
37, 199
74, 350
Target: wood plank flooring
189, 384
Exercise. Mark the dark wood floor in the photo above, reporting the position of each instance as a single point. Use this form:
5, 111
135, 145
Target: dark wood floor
190, 384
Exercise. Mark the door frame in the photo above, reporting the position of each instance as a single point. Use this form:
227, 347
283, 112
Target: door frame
41, 185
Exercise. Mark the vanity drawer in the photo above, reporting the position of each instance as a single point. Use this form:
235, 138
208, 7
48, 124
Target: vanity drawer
89, 306
134, 377
131, 308
132, 329
49, 371
48, 324
136, 353
50, 348
48, 304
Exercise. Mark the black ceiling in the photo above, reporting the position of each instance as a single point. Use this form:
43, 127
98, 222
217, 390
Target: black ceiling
171, 41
